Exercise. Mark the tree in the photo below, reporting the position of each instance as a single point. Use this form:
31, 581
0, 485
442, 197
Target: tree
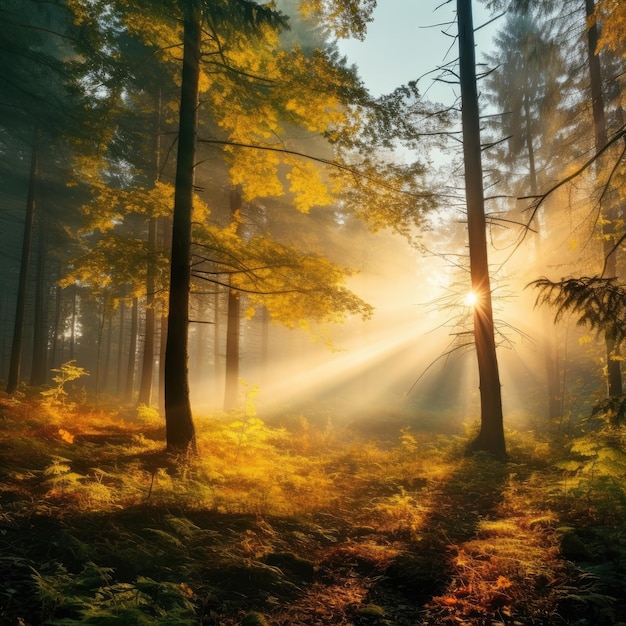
607, 211
257, 91
599, 303
491, 436
233, 312
18, 330
180, 430
248, 16
145, 384
614, 375
37, 97
612, 16
525, 86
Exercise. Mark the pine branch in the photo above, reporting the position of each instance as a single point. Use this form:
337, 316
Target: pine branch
599, 303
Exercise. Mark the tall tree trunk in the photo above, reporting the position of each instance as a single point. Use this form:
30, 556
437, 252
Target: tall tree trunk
200, 358
179, 427
165, 226
147, 366
120, 349
55, 328
40, 331
550, 348
20, 307
614, 374
102, 315
107, 352
264, 356
491, 436
4, 307
73, 322
216, 337
231, 385
132, 354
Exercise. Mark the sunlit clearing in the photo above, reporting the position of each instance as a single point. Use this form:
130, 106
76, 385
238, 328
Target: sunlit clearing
470, 299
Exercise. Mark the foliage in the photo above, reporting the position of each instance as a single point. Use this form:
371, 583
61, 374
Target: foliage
600, 303
612, 16
346, 17
297, 524
97, 599
148, 415
610, 410
296, 288
595, 469
65, 374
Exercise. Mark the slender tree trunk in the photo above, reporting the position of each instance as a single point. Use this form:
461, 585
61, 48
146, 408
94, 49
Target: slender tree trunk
107, 352
40, 328
179, 427
231, 386
216, 338
120, 349
20, 307
147, 367
4, 307
614, 374
200, 359
491, 435
264, 357
55, 328
132, 354
165, 225
550, 349
101, 321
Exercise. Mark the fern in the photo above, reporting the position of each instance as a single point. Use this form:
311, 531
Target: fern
59, 467
92, 597
64, 374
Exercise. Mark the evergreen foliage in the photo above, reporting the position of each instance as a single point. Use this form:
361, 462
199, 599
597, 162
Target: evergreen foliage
599, 303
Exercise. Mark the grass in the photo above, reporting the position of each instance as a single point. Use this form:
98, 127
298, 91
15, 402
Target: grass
301, 525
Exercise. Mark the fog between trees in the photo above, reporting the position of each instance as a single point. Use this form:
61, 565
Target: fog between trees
328, 261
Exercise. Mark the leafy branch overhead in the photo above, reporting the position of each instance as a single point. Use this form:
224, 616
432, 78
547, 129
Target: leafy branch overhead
293, 286
599, 303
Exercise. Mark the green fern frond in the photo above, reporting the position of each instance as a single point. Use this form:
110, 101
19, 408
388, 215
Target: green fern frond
182, 526
585, 446
168, 538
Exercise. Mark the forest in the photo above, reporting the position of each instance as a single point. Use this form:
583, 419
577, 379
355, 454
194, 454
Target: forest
278, 350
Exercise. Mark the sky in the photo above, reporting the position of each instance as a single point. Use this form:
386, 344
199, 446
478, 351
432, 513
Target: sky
405, 41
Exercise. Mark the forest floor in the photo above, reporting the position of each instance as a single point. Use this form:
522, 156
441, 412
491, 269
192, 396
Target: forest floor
295, 524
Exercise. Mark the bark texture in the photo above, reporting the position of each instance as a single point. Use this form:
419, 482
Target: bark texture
491, 436
180, 430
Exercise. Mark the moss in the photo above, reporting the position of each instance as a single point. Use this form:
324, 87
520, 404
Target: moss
254, 619
293, 564
371, 610
371, 614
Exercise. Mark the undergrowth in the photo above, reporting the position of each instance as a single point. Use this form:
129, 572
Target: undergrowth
302, 524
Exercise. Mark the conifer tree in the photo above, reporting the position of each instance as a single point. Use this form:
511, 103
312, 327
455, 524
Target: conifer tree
39, 111
525, 87
491, 436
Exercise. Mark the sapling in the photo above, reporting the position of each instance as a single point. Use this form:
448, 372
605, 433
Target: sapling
65, 374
